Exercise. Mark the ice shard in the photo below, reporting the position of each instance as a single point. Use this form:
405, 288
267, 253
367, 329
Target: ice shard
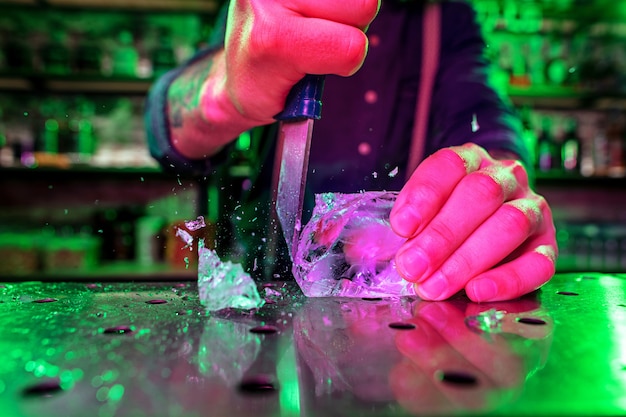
348, 247
224, 284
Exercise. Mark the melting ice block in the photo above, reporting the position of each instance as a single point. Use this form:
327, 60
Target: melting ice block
224, 284
347, 249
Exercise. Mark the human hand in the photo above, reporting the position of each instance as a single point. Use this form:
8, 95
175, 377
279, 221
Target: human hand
494, 365
473, 222
271, 45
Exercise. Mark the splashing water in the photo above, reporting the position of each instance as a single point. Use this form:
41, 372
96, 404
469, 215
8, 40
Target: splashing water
393, 172
475, 125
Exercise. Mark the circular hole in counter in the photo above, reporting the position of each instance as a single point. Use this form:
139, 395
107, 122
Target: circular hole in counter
531, 320
156, 302
267, 329
571, 293
258, 384
45, 300
460, 378
44, 388
118, 330
402, 325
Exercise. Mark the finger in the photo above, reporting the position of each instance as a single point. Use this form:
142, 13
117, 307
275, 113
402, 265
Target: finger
526, 273
476, 197
315, 46
499, 236
357, 13
434, 357
430, 186
493, 358
416, 392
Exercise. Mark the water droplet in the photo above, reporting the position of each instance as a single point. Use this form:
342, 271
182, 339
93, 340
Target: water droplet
401, 325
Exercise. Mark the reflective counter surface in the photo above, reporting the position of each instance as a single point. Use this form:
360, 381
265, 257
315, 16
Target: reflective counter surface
150, 349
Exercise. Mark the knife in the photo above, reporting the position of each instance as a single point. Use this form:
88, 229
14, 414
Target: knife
302, 107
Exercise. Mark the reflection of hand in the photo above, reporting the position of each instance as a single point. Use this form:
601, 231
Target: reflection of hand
473, 222
441, 342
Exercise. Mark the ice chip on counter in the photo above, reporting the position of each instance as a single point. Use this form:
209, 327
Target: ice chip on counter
194, 225
224, 284
489, 321
348, 248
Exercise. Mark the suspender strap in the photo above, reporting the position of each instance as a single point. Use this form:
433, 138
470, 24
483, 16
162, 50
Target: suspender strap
431, 40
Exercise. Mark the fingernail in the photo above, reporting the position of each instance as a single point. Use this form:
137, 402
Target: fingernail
483, 289
432, 288
412, 264
406, 221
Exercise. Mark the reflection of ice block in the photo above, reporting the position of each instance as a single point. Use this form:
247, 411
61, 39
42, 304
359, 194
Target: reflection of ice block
348, 248
224, 284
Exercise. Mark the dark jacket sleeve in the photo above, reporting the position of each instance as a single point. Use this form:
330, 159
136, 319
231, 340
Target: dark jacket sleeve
156, 116
462, 91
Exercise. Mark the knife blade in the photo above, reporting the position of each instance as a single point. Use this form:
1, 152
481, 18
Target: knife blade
302, 107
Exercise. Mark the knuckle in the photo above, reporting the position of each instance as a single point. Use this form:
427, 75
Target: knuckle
441, 236
353, 49
485, 186
520, 217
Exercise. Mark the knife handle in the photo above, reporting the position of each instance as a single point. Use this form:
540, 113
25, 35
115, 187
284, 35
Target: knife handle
304, 101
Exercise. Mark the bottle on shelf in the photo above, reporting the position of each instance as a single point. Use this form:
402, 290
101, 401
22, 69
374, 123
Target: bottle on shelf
55, 55
615, 135
163, 57
125, 56
548, 152
88, 57
571, 149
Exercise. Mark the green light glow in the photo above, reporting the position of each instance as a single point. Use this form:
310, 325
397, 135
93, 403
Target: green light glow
287, 373
243, 142
116, 392
618, 337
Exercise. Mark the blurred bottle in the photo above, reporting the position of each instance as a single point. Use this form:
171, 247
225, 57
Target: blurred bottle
571, 149
125, 56
547, 147
529, 136
615, 135
88, 57
6, 153
48, 138
18, 54
55, 55
163, 57
86, 139
600, 149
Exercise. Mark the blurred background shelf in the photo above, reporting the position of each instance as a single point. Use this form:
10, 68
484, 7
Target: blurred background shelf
197, 6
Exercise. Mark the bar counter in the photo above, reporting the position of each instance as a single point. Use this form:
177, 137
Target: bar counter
150, 349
